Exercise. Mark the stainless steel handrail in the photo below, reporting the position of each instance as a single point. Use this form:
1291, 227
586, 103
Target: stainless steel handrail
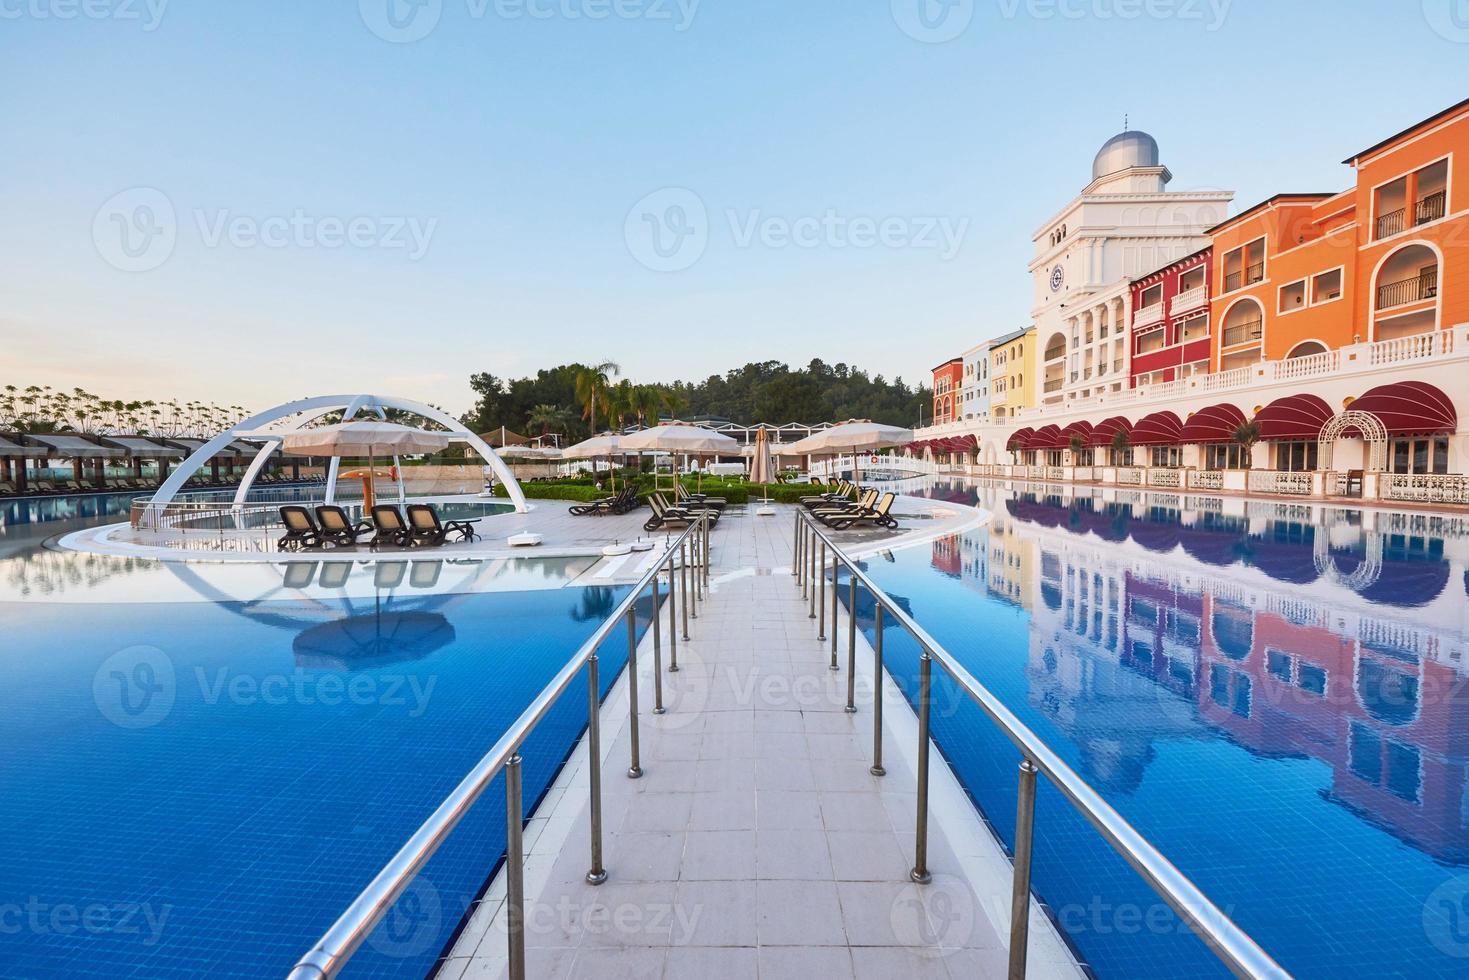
1241, 954
337, 945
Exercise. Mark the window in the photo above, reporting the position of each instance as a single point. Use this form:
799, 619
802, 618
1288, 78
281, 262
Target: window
1196, 328
1421, 455
1295, 457
1293, 296
1151, 341
1167, 456
1120, 457
1152, 296
1053, 457
1226, 456
1084, 457
1326, 287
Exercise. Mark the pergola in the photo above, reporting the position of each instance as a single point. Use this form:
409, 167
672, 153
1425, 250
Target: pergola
294, 416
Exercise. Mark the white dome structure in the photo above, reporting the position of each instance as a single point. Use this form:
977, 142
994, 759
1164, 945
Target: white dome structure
1124, 151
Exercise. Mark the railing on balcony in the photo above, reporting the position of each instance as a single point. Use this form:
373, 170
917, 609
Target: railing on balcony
1254, 273
1413, 348
1391, 223
1055, 352
1148, 315
1187, 300
1430, 208
1308, 366
1232, 281
1117, 365
1415, 290
1054, 384
1243, 333
1165, 477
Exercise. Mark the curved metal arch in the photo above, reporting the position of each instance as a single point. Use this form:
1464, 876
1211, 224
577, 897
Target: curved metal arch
1373, 432
309, 410
1368, 570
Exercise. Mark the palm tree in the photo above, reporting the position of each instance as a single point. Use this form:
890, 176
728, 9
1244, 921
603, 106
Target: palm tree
647, 402
1245, 435
592, 386
1121, 443
549, 417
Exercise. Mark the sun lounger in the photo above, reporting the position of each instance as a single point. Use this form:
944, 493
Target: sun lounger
694, 500
337, 527
666, 517
391, 528
427, 529
877, 516
301, 529
865, 502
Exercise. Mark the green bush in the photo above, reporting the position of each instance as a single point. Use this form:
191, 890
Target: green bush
577, 492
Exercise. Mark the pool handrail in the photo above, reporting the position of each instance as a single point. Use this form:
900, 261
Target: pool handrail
1226, 940
337, 945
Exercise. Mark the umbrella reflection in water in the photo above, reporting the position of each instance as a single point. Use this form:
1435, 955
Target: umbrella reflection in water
372, 640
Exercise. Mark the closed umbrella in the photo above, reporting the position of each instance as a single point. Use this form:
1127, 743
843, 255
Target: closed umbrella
761, 470
365, 438
857, 435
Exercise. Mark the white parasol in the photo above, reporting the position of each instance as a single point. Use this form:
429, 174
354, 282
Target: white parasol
368, 438
855, 435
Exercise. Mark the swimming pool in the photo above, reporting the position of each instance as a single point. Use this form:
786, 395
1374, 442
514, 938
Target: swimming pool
204, 765
1272, 693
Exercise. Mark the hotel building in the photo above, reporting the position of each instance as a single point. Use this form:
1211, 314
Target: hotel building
1336, 322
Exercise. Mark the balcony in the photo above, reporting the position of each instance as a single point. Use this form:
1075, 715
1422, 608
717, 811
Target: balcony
1054, 384
1055, 352
1187, 300
1148, 315
1428, 208
1415, 290
1391, 223
1244, 333
1251, 275
1117, 365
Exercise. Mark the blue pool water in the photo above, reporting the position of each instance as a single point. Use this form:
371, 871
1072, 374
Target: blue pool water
199, 788
1274, 696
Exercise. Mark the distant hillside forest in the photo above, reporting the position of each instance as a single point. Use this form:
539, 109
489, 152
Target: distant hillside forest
566, 399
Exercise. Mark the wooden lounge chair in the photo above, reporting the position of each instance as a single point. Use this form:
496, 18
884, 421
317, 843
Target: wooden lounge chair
866, 501
615, 504
337, 527
686, 498
692, 510
666, 517
427, 529
877, 516
301, 529
391, 527
841, 495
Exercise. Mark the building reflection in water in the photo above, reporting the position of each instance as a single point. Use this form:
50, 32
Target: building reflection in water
1296, 631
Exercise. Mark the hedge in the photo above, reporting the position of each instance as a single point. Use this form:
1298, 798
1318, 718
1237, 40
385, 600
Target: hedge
735, 493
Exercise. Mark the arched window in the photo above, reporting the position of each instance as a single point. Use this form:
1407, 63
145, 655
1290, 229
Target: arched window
1305, 349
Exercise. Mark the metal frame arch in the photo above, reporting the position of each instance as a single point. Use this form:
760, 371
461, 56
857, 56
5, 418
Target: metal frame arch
1373, 432
309, 410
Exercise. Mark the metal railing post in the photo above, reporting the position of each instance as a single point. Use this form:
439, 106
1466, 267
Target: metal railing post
925, 698
877, 769
634, 769
683, 575
796, 549
690, 588
851, 641
708, 558
834, 603
1020, 893
657, 653
821, 595
514, 868
598, 874
811, 571
801, 532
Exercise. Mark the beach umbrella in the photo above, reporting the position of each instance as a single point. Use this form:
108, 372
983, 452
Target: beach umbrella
368, 438
761, 469
858, 435
604, 446
683, 438
366, 641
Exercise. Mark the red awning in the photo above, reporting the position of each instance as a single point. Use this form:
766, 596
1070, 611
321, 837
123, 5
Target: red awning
1081, 428
1047, 437
1158, 429
1294, 418
1107, 430
1019, 439
963, 444
1409, 408
1212, 425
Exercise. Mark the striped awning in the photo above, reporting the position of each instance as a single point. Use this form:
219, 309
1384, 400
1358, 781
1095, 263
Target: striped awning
146, 448
1294, 418
1410, 408
1158, 429
75, 447
1214, 424
1083, 429
1047, 437
1019, 439
1107, 430
8, 448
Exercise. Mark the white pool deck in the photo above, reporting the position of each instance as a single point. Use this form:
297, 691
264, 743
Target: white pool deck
756, 843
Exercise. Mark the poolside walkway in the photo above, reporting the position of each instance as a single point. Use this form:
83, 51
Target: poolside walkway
756, 842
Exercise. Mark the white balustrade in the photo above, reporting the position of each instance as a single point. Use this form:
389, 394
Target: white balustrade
1187, 300
1438, 488
1130, 476
1280, 481
1147, 316
1162, 477
1206, 480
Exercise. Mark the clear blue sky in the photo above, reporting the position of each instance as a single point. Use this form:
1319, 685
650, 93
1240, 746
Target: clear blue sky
519, 145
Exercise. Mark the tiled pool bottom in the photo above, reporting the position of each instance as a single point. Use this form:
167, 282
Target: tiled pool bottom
199, 789
1294, 736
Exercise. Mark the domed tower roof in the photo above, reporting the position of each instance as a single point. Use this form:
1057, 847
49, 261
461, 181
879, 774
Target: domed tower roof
1130, 149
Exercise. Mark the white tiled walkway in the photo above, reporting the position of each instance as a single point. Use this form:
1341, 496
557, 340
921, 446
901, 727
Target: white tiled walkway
756, 842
